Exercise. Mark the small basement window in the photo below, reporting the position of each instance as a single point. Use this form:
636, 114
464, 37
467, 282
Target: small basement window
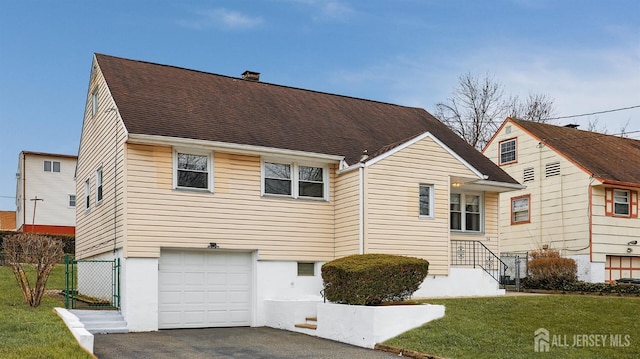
306, 269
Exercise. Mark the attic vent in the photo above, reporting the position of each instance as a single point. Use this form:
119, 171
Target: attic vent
552, 169
251, 76
528, 174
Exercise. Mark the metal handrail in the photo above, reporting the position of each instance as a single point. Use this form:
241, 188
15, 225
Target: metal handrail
475, 253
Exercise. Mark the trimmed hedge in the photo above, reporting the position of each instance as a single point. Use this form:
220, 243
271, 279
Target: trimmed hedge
68, 242
371, 279
584, 287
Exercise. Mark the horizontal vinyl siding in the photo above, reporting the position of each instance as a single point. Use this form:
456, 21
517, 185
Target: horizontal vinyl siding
347, 214
101, 228
558, 206
392, 219
235, 216
611, 234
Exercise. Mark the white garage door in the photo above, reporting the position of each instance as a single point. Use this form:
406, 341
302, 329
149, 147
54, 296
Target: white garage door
203, 289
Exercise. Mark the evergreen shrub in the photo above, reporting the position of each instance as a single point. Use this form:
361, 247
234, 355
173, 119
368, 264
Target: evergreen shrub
372, 279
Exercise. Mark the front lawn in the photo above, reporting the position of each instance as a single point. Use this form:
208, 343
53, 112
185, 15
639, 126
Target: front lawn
27, 332
503, 327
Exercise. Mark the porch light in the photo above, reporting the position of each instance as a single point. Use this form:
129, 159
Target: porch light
456, 184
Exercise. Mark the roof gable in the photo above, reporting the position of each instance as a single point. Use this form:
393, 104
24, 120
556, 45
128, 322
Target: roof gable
160, 100
611, 159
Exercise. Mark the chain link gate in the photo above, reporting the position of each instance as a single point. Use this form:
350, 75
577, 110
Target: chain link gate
92, 283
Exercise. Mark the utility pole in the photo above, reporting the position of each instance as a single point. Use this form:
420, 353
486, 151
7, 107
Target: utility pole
35, 205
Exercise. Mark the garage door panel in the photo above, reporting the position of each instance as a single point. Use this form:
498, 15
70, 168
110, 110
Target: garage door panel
204, 289
617, 267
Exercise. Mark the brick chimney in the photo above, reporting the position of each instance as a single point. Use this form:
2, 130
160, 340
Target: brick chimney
251, 76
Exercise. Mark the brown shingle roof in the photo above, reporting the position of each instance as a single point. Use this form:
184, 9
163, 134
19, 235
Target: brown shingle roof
164, 100
609, 158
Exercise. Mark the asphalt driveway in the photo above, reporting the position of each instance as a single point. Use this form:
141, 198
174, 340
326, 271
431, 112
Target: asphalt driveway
242, 342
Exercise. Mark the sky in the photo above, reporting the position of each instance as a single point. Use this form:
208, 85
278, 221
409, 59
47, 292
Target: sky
583, 54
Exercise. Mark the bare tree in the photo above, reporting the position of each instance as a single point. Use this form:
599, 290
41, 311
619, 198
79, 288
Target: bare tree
474, 110
537, 108
478, 106
41, 252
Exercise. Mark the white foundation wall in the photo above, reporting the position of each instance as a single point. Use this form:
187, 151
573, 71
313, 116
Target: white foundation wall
588, 271
278, 280
138, 290
461, 282
139, 293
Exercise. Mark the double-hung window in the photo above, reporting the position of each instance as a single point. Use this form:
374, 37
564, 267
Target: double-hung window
466, 212
99, 185
426, 201
87, 195
294, 180
621, 203
72, 200
520, 209
193, 170
508, 151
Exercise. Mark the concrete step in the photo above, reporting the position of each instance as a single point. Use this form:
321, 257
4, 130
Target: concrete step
307, 326
101, 321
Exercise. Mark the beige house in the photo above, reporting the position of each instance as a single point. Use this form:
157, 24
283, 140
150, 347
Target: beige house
581, 196
219, 193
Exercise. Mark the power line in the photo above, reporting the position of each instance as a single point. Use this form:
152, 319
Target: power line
594, 113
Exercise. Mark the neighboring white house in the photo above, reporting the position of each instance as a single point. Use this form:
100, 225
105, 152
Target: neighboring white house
219, 194
581, 196
46, 193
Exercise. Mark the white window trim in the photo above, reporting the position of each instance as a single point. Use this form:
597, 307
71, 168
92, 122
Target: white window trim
463, 212
431, 201
210, 170
295, 179
75, 200
99, 183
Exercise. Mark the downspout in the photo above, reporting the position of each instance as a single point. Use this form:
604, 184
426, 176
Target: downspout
591, 219
361, 214
115, 188
24, 189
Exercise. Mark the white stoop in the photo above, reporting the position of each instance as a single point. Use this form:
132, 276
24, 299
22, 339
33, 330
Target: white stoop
101, 321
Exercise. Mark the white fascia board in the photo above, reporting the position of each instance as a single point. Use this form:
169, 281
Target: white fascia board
230, 147
420, 138
500, 186
350, 168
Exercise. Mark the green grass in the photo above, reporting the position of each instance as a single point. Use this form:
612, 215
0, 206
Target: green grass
27, 332
503, 327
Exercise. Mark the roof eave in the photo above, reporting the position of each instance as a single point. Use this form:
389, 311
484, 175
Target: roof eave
618, 183
230, 147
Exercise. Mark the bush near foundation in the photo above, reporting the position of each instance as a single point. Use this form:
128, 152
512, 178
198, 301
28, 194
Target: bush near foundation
548, 268
585, 287
372, 279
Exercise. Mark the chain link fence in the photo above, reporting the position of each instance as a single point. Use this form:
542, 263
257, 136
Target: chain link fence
516, 268
92, 283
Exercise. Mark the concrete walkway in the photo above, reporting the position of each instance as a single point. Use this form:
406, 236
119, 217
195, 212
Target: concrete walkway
241, 342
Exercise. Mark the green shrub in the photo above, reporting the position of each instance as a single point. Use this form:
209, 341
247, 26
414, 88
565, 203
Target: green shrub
584, 287
548, 268
371, 279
